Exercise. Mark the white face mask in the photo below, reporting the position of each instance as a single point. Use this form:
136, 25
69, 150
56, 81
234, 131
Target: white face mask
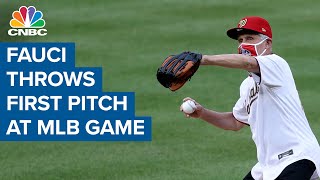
251, 49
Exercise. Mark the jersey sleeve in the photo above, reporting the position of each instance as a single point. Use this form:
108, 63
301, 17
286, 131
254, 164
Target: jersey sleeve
239, 111
271, 70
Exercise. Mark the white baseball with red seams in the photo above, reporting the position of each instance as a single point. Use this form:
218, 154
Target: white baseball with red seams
188, 107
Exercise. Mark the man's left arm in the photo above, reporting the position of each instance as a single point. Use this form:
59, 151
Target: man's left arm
237, 61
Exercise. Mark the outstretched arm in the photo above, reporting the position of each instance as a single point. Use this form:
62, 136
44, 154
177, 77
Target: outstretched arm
238, 61
223, 120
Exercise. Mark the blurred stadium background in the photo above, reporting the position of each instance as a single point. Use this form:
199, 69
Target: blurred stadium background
130, 39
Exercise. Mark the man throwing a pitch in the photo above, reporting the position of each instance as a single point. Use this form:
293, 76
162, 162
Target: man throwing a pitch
269, 103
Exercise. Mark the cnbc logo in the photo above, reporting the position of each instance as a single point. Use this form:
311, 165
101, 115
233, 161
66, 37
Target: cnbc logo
27, 22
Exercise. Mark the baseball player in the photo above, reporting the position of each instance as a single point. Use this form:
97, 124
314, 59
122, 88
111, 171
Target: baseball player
269, 104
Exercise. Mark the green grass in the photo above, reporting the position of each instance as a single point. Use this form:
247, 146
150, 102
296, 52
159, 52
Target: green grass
130, 39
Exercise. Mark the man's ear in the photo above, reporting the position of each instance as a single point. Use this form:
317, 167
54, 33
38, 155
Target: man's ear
269, 43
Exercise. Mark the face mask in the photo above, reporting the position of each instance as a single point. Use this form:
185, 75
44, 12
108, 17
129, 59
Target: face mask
250, 49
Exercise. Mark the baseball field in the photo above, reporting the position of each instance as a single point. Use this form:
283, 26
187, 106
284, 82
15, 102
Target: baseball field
130, 39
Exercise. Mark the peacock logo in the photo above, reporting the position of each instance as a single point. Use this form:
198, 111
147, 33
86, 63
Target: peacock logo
27, 22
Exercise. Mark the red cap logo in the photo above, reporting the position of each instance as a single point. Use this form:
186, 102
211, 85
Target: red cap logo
242, 23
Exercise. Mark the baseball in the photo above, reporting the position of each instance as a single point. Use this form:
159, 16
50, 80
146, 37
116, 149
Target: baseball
188, 107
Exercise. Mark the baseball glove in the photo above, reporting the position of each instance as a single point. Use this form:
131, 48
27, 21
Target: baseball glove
176, 70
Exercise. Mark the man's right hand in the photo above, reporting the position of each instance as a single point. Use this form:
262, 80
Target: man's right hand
197, 113
223, 120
